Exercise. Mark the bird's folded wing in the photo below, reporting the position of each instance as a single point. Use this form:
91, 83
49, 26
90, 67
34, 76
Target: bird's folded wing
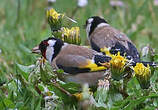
74, 64
108, 36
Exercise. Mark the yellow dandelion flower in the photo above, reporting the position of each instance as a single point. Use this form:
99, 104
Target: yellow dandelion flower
142, 71
53, 14
71, 35
118, 61
142, 74
66, 31
74, 31
118, 65
54, 19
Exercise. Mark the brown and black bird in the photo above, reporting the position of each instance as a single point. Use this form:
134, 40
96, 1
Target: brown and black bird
100, 34
80, 64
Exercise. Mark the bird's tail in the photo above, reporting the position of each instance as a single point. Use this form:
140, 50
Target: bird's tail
152, 64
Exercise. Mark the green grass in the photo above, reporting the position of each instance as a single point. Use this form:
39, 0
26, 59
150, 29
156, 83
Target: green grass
21, 30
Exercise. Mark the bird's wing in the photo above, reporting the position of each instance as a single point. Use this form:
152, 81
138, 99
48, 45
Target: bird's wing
108, 36
116, 40
74, 64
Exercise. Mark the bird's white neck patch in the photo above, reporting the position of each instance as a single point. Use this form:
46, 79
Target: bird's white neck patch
89, 26
49, 53
102, 24
50, 50
51, 42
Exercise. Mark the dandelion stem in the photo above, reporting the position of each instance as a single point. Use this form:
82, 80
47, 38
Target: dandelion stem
62, 89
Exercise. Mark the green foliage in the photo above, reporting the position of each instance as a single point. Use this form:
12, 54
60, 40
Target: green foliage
37, 87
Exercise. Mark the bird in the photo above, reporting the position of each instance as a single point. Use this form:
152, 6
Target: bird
101, 34
80, 64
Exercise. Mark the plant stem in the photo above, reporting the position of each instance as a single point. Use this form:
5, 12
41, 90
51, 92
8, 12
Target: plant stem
62, 89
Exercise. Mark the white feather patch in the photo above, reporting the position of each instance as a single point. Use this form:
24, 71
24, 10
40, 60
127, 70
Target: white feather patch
50, 50
51, 42
89, 26
49, 54
102, 24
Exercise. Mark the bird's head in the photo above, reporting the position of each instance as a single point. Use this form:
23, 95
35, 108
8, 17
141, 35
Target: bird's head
49, 48
94, 22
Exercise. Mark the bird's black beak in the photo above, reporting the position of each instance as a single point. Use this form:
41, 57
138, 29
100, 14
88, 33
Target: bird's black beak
36, 50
